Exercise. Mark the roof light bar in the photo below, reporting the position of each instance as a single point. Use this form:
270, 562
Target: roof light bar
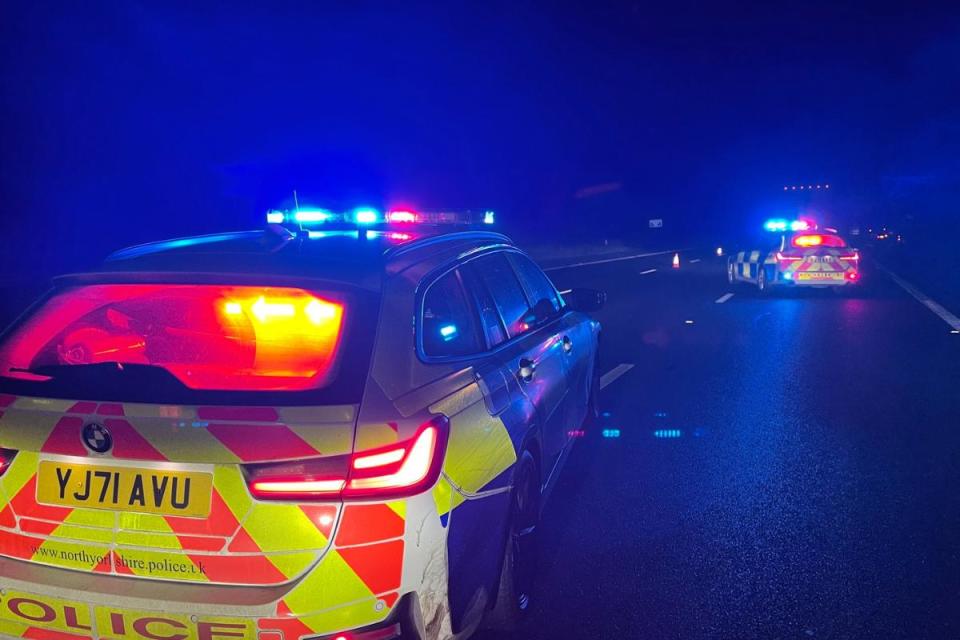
313, 215
366, 215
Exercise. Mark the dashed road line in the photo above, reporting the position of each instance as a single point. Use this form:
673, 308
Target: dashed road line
723, 298
643, 273
611, 376
606, 260
695, 260
925, 300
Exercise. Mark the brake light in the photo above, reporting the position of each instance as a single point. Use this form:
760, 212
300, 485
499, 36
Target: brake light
852, 275
395, 471
784, 258
6, 459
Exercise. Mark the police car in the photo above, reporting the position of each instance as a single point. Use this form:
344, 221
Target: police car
801, 256
298, 432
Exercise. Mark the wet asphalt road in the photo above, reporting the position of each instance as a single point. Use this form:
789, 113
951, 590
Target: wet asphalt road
811, 488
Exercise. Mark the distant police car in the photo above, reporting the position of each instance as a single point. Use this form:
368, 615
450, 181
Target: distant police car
800, 257
286, 434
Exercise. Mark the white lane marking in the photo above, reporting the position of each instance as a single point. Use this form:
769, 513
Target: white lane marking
695, 260
565, 292
925, 300
643, 273
723, 298
604, 261
611, 376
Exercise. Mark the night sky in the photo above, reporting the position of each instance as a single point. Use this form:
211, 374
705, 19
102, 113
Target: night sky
127, 121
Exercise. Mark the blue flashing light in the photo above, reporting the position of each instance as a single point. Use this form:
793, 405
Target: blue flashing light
449, 332
777, 224
667, 433
799, 225
366, 215
344, 233
312, 215
611, 433
488, 217
275, 217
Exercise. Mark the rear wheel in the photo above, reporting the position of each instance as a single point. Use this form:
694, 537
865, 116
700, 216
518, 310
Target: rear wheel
520, 556
762, 284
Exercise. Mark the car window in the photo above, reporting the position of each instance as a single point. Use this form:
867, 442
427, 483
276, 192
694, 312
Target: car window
536, 283
491, 324
501, 281
448, 326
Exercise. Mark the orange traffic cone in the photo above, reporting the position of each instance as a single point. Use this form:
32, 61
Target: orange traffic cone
676, 261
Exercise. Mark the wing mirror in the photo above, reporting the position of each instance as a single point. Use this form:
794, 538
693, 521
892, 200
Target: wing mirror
586, 300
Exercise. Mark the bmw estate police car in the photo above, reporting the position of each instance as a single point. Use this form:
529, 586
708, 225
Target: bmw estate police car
286, 434
801, 257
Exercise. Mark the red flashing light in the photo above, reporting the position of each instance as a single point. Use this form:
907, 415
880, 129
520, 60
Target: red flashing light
394, 471
207, 336
808, 241
819, 240
401, 216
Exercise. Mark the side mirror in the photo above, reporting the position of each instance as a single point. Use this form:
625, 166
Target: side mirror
586, 300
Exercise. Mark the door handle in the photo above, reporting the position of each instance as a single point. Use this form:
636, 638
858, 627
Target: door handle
567, 344
527, 368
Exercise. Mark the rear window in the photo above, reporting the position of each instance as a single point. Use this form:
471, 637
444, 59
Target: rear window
808, 240
194, 339
448, 326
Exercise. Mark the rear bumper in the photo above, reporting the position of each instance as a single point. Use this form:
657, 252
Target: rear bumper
101, 607
788, 279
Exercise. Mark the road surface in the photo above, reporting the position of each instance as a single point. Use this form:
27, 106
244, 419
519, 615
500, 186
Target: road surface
786, 467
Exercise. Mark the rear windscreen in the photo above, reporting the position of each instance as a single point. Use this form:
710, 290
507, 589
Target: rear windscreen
206, 338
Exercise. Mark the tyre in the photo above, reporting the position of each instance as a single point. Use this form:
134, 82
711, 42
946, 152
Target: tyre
593, 399
762, 285
520, 553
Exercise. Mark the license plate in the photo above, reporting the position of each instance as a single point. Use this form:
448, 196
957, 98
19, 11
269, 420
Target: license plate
169, 493
820, 275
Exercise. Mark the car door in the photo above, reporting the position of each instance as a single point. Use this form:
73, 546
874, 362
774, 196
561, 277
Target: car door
532, 349
576, 338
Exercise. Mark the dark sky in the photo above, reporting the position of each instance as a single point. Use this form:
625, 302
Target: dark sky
123, 121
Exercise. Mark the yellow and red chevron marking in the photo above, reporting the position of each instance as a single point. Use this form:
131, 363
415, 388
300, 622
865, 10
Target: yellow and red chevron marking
364, 568
178, 433
268, 543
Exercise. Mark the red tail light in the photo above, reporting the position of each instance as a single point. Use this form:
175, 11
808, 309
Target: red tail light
6, 459
852, 276
783, 258
394, 471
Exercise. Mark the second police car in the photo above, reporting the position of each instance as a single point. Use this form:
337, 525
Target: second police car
287, 434
796, 254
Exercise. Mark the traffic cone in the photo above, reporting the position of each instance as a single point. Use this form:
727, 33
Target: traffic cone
676, 261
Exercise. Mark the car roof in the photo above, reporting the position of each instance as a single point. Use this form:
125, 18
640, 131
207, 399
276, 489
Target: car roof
346, 255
